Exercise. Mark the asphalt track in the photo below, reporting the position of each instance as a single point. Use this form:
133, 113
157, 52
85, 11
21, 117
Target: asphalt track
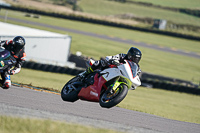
116, 39
25, 102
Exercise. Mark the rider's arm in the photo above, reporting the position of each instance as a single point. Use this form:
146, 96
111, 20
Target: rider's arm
5, 42
115, 58
119, 58
15, 70
18, 65
2, 43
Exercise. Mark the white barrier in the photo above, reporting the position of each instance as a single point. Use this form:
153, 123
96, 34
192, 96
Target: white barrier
47, 50
41, 46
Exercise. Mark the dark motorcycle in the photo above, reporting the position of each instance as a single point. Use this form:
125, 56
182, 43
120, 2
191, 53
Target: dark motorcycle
7, 61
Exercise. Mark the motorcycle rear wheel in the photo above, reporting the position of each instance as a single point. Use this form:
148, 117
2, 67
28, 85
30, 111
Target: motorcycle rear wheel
68, 93
108, 100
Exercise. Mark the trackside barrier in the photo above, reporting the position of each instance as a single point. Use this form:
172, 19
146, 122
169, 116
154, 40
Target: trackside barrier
172, 87
172, 84
154, 81
147, 77
52, 68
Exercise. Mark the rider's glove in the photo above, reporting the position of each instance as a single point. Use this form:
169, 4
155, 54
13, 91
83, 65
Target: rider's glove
11, 72
114, 62
104, 63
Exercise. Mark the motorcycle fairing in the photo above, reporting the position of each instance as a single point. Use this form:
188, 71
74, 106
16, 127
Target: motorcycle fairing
131, 72
6, 59
112, 73
126, 72
92, 92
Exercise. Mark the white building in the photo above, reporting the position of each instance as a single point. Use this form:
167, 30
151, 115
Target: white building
41, 46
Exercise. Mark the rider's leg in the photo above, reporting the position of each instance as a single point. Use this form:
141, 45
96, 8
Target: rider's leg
87, 71
97, 65
6, 80
2, 79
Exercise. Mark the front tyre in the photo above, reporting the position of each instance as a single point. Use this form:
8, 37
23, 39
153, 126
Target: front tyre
110, 99
68, 92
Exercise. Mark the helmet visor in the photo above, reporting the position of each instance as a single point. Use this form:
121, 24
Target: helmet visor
16, 48
136, 60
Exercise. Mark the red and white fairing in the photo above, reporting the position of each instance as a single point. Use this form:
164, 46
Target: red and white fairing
128, 71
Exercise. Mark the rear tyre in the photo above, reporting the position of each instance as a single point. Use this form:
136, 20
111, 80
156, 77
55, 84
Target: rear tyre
108, 99
68, 92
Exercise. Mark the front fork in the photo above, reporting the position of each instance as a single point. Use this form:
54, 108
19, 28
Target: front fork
118, 81
115, 85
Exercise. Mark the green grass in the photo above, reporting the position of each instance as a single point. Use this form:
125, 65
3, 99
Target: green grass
155, 39
168, 104
27, 125
153, 61
172, 105
195, 4
105, 7
41, 79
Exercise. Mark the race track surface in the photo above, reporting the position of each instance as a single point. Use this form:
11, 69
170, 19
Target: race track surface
26, 102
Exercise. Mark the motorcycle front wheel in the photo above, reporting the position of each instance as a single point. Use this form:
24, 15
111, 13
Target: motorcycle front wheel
111, 98
68, 92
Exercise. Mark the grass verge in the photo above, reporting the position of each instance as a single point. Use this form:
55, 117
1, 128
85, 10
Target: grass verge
26, 125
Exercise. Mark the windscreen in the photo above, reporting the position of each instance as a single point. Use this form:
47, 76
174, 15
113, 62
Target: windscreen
4, 54
6, 59
133, 67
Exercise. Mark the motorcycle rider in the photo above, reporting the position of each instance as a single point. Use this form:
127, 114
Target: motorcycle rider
133, 54
16, 48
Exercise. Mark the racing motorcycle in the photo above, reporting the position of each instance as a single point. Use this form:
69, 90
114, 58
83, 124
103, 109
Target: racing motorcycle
108, 87
7, 61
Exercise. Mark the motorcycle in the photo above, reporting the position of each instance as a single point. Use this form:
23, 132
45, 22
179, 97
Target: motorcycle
108, 87
7, 61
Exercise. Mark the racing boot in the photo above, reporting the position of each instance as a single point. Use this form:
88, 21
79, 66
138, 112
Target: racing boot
86, 72
7, 82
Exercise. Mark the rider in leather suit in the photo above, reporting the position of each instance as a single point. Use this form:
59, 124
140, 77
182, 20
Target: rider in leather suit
16, 48
133, 54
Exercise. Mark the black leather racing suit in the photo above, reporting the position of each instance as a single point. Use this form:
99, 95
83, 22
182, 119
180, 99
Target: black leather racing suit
20, 58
